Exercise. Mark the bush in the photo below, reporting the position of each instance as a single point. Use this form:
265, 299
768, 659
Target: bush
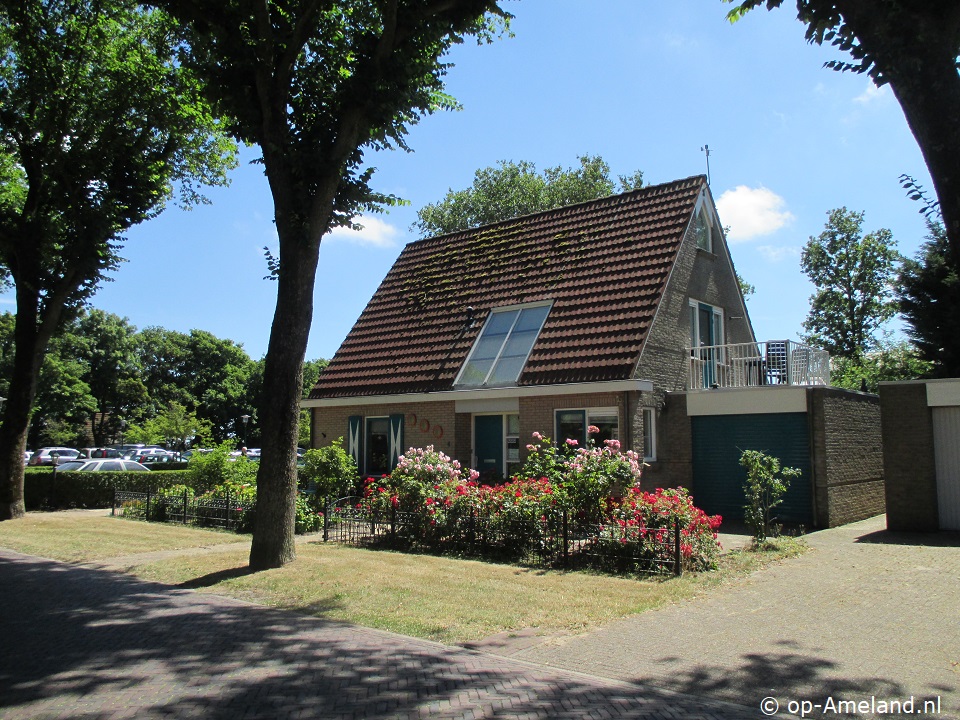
764, 488
90, 489
218, 467
331, 471
595, 487
646, 519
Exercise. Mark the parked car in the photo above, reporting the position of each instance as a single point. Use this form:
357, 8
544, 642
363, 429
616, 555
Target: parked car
44, 456
105, 465
162, 456
150, 453
99, 452
26, 456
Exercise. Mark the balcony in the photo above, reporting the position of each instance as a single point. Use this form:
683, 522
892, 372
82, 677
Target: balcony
774, 362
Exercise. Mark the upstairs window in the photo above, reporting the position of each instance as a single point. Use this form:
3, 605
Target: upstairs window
501, 351
702, 230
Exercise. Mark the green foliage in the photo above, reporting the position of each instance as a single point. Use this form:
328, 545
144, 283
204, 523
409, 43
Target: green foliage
100, 125
512, 189
892, 360
174, 423
332, 470
929, 294
218, 467
764, 488
90, 489
853, 275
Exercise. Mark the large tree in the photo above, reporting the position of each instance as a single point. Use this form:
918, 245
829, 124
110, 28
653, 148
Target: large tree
853, 274
929, 293
516, 188
316, 84
914, 46
98, 121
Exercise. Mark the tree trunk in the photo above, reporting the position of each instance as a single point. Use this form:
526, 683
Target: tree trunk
914, 46
273, 535
30, 342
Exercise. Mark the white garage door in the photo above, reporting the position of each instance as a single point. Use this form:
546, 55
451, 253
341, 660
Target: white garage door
946, 444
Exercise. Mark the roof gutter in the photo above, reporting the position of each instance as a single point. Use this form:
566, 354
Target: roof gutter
486, 393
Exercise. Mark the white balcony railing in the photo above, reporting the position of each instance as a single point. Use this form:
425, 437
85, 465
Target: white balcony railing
773, 362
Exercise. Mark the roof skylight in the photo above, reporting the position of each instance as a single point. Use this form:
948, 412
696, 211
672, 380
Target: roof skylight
504, 344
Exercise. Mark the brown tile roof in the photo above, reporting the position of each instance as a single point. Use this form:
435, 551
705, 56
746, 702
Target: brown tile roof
604, 263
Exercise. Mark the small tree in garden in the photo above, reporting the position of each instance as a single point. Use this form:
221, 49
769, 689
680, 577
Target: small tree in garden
765, 487
332, 469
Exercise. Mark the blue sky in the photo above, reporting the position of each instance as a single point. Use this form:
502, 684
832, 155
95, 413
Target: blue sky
643, 84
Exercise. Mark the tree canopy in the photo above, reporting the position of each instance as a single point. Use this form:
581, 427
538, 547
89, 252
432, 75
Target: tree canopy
316, 86
929, 292
853, 274
99, 124
511, 189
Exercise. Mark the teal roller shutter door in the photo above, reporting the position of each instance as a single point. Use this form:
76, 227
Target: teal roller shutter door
355, 439
396, 439
718, 442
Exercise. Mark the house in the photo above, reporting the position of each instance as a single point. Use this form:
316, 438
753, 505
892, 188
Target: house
608, 313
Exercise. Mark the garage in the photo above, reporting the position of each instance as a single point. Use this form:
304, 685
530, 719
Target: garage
946, 445
718, 442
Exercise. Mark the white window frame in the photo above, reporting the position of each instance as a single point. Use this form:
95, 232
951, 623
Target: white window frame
716, 315
509, 308
366, 441
707, 219
588, 414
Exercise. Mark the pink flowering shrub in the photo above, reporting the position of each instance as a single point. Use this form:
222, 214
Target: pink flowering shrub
587, 498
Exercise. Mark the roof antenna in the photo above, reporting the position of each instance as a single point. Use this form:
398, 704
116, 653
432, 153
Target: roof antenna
706, 149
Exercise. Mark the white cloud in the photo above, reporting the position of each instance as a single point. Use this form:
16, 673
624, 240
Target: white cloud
872, 94
752, 212
774, 253
374, 232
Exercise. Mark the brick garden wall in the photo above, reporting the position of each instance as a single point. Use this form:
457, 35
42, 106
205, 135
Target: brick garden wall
908, 457
847, 455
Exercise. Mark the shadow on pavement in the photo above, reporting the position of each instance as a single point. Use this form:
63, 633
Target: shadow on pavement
88, 643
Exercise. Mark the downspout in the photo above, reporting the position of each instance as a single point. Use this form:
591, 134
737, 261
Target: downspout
627, 421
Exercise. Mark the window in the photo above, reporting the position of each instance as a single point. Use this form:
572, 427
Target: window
649, 434
513, 446
573, 424
504, 344
703, 231
377, 446
706, 341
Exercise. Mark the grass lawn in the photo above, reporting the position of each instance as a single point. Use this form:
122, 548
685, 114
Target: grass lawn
438, 598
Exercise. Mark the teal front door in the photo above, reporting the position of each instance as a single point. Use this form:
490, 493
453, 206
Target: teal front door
488, 447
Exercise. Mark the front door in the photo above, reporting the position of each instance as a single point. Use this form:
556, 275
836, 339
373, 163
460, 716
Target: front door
488, 447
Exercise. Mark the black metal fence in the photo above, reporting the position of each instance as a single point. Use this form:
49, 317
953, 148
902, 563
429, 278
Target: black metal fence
228, 513
558, 539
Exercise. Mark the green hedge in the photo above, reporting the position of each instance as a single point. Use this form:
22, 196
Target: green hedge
90, 489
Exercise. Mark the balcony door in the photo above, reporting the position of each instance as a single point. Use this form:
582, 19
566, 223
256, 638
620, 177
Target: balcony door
706, 334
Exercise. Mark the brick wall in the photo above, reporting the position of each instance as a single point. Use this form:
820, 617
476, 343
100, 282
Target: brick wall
674, 464
432, 423
908, 457
847, 456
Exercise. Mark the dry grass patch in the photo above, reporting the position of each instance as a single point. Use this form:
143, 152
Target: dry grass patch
89, 535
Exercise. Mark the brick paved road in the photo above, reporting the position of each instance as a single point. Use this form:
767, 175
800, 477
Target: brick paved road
79, 642
865, 613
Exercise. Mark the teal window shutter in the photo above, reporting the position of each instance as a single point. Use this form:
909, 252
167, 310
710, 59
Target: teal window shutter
355, 439
396, 439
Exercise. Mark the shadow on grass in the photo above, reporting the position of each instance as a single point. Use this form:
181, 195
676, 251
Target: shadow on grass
211, 579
